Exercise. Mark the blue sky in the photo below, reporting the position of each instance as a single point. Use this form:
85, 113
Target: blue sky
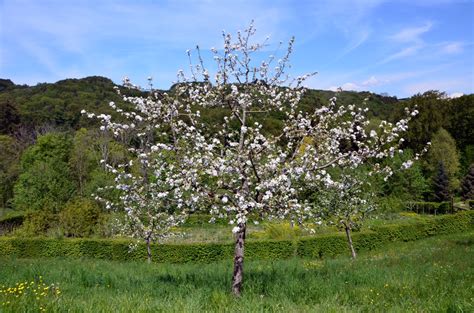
398, 47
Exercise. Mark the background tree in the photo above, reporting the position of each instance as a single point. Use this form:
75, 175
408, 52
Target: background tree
441, 186
407, 185
81, 158
433, 109
443, 149
467, 186
45, 181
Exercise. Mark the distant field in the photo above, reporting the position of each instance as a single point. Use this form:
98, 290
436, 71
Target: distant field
430, 275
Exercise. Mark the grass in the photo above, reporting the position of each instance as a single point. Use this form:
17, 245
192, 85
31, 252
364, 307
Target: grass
431, 275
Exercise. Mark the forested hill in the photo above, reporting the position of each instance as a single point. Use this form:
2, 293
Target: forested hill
58, 105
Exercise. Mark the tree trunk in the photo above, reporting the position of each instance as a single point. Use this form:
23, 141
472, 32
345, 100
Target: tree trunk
148, 249
238, 275
349, 240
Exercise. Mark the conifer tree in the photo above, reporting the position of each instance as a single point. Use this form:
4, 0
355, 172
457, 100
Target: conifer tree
441, 184
467, 187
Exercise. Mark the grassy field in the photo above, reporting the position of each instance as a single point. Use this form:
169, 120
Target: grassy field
431, 275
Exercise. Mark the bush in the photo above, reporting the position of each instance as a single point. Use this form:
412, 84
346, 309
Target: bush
36, 223
79, 218
313, 247
278, 231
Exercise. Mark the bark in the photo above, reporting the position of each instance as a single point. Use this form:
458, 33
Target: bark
349, 240
238, 275
148, 249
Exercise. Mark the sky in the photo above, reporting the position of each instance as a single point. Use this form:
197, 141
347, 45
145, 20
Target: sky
396, 47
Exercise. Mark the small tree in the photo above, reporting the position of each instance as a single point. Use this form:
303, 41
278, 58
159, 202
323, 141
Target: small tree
153, 183
441, 184
467, 186
345, 200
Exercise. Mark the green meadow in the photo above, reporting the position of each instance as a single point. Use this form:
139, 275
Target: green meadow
429, 275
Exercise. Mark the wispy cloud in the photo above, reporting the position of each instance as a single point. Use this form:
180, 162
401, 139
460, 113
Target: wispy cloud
405, 52
411, 34
452, 47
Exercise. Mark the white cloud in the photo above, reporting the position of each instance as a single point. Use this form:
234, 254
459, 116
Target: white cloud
455, 95
411, 34
452, 48
359, 86
350, 86
372, 81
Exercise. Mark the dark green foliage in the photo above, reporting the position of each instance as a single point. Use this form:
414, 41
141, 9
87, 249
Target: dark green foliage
9, 223
461, 120
79, 218
5, 83
319, 246
467, 158
441, 184
9, 168
467, 186
433, 112
9, 117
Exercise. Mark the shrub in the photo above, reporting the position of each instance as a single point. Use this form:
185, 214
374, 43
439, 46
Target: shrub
36, 223
79, 218
278, 231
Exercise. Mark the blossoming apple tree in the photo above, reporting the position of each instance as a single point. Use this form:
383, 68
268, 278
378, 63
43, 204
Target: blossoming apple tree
249, 174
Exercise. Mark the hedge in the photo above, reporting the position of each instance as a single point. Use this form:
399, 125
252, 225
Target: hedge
317, 246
